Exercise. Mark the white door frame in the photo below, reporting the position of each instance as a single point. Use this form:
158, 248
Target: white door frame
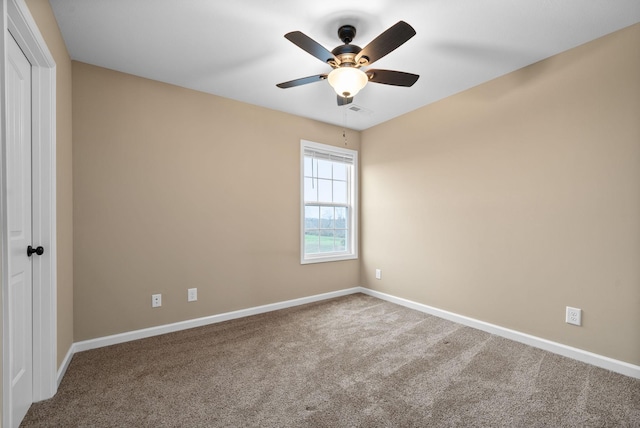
18, 21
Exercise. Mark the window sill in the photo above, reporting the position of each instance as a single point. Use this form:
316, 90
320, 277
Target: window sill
328, 258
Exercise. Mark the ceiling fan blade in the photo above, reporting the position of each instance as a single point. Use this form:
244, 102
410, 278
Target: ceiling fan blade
306, 43
386, 42
302, 81
392, 77
343, 101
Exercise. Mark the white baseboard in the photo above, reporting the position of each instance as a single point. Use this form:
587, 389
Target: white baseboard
557, 348
198, 322
597, 360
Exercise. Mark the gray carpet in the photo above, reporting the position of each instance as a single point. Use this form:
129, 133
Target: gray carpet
354, 361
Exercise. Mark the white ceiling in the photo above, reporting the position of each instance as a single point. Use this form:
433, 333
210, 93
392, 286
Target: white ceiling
236, 49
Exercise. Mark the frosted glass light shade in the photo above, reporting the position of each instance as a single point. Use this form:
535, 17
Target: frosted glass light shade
347, 81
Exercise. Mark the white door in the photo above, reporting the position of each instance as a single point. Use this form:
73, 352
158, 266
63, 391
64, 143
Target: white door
19, 221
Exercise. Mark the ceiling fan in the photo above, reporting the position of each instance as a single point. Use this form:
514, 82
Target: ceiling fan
347, 78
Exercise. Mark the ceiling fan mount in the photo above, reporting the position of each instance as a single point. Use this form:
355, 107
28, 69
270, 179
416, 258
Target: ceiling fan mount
347, 33
346, 77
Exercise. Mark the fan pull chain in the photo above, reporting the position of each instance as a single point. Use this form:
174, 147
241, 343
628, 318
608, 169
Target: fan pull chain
344, 126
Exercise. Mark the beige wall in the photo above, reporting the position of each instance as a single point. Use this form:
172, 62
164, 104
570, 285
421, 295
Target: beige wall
509, 201
176, 189
514, 199
44, 18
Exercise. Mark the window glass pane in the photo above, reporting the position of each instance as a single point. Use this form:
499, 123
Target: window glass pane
311, 242
311, 217
310, 189
324, 168
340, 171
340, 191
326, 241
326, 217
341, 218
324, 191
329, 197
340, 237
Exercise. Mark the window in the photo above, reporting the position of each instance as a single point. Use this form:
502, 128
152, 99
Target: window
329, 211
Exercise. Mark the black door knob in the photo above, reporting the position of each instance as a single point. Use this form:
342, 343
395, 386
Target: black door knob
30, 250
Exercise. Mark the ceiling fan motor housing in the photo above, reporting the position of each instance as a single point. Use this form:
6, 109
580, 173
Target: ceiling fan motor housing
346, 53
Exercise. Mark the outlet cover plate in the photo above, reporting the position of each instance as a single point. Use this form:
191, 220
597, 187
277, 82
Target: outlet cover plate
378, 274
156, 300
573, 316
192, 294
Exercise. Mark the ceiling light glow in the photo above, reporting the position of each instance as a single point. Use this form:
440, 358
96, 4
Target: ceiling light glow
347, 81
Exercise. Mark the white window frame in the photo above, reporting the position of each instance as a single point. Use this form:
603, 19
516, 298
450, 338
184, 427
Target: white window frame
352, 247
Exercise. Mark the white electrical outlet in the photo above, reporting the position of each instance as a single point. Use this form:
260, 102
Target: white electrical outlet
156, 300
192, 295
378, 274
574, 316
